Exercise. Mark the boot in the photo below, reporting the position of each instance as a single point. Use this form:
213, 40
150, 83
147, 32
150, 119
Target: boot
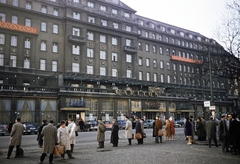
69, 154
63, 155
209, 142
102, 144
72, 146
160, 139
129, 141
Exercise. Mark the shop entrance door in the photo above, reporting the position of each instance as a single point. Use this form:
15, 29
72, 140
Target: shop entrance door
73, 116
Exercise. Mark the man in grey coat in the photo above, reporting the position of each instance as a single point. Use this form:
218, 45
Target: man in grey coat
101, 133
211, 129
16, 138
49, 134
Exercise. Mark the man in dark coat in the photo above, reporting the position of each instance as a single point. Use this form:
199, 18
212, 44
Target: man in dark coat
101, 133
235, 133
139, 130
114, 133
10, 127
222, 133
200, 130
81, 125
211, 131
39, 137
16, 138
49, 134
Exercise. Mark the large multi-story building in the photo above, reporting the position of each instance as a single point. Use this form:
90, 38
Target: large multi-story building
98, 58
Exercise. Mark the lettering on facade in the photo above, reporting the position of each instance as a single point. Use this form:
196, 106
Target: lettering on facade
137, 93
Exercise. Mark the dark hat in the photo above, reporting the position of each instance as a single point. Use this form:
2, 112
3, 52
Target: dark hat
223, 115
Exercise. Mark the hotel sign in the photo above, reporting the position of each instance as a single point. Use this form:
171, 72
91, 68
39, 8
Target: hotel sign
137, 93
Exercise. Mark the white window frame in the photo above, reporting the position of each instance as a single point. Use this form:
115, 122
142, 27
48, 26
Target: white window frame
114, 41
114, 11
147, 47
129, 28
75, 49
28, 22
103, 8
55, 29
2, 39
168, 79
55, 48
26, 63
14, 41
28, 6
75, 67
127, 15
91, 19
76, 15
13, 61
15, 2
115, 25
102, 71
128, 58
55, 12
90, 4
128, 42
102, 38
155, 77
147, 62
90, 36
27, 43
75, 31
90, 53
3, 17
43, 45
103, 55
14, 19
140, 61
43, 26
1, 59
89, 69
154, 63
114, 56
104, 22
129, 73
114, 72
140, 75
54, 66
148, 76
44, 9
162, 78
161, 64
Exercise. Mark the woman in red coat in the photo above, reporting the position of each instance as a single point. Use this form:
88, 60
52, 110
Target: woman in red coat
172, 129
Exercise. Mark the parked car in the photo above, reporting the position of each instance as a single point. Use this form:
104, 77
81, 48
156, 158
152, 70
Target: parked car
108, 125
177, 125
121, 124
90, 125
179, 122
2, 129
148, 123
30, 128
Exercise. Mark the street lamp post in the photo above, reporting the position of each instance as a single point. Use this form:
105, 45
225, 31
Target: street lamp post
211, 83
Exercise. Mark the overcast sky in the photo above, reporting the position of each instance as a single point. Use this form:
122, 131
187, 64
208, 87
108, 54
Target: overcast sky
201, 16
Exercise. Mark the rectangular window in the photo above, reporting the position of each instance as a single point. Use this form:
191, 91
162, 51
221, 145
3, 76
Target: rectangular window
168, 65
128, 58
76, 15
128, 42
104, 22
43, 46
44, 9
26, 63
90, 4
147, 47
90, 36
115, 25
75, 31
154, 63
55, 29
29, 5
114, 72
128, 28
140, 46
89, 69
43, 26
103, 71
76, 49
55, 12
129, 73
13, 61
42, 64
90, 53
15, 2
126, 15
114, 11
55, 48
103, 38
103, 55
155, 77
28, 22
2, 17
114, 41
161, 65
140, 62
2, 38
1, 59
75, 67
146, 34
147, 62
114, 56
148, 76
13, 41
54, 66
91, 19
168, 78
140, 75
103, 8
162, 78
14, 19
154, 49
174, 66
27, 43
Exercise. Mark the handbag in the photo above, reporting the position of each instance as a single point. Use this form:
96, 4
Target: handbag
61, 149
138, 136
144, 135
56, 152
160, 132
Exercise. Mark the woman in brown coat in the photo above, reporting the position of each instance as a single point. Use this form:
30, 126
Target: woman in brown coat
157, 127
172, 128
167, 132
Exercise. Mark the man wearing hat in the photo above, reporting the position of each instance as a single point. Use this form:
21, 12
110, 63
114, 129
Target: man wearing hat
101, 133
223, 132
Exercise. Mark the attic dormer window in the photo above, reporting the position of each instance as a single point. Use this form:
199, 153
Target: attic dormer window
152, 25
126, 15
90, 4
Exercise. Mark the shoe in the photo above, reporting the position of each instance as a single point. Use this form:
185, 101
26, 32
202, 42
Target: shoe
39, 162
7, 157
189, 143
72, 157
99, 147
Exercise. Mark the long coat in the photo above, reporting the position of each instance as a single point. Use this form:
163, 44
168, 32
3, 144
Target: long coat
211, 129
188, 127
172, 128
72, 134
157, 125
101, 132
128, 129
167, 132
49, 133
63, 137
139, 127
39, 138
200, 129
16, 134
222, 129
114, 133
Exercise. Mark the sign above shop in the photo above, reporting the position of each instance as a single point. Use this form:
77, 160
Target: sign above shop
206, 103
137, 93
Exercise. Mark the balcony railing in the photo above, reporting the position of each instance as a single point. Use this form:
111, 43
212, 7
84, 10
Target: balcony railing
130, 49
77, 39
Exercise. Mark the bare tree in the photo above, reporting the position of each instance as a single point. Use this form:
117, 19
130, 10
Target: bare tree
228, 32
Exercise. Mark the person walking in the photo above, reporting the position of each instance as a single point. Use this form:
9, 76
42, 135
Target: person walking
211, 131
81, 125
204, 127
114, 133
139, 130
64, 140
72, 133
157, 126
128, 130
234, 131
16, 139
39, 136
222, 133
49, 134
188, 132
101, 133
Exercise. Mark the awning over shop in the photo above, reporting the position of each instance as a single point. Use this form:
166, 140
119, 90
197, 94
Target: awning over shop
75, 109
190, 111
136, 109
151, 110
